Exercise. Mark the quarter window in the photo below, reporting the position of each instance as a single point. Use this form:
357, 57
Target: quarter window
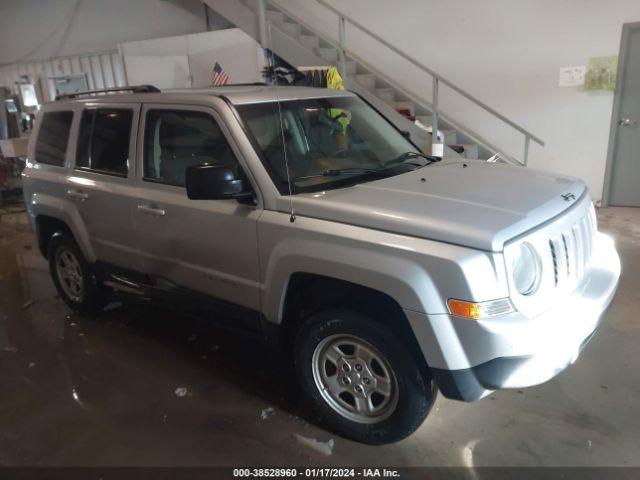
103, 141
53, 136
177, 139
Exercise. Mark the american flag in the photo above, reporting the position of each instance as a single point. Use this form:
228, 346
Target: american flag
218, 76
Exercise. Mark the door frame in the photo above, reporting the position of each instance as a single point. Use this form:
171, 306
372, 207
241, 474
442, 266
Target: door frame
627, 30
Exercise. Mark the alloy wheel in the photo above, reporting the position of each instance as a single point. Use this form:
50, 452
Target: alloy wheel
69, 274
355, 379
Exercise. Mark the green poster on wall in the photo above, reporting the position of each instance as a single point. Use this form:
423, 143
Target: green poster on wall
601, 74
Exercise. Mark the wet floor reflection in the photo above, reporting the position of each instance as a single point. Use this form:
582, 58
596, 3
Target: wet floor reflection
133, 366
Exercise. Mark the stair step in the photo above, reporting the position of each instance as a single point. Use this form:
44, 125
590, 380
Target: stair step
351, 67
274, 17
329, 54
309, 41
428, 120
367, 80
386, 95
405, 105
291, 29
450, 135
471, 151
425, 119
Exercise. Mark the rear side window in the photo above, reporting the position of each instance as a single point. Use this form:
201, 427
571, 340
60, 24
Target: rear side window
53, 138
177, 139
103, 141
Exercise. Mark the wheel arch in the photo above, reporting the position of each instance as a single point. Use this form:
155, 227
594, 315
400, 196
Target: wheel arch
50, 215
307, 293
47, 226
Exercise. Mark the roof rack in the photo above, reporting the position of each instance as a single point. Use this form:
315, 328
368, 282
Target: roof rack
88, 93
246, 84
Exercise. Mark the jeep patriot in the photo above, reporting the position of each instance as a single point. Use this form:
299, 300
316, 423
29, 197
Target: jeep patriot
380, 274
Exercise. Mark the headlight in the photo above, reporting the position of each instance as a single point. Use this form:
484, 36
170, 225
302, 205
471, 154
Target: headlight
526, 270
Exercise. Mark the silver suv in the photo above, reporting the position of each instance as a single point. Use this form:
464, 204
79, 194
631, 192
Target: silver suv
381, 275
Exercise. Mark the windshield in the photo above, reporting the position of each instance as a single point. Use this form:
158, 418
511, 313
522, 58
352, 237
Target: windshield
323, 135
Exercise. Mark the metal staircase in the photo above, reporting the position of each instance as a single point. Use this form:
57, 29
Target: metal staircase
299, 43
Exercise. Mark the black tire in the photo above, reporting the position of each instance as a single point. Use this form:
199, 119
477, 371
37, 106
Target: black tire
93, 296
415, 393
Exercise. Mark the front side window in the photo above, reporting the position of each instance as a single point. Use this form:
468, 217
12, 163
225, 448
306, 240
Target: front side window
323, 135
177, 139
103, 141
53, 136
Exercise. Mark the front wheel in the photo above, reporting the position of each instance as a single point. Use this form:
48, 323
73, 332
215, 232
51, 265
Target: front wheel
361, 378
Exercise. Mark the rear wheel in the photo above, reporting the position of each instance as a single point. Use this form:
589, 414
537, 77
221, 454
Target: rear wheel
361, 378
73, 277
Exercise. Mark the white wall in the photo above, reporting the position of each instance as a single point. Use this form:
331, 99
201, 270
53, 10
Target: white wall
37, 29
506, 53
187, 60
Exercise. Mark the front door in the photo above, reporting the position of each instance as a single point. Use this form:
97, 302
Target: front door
624, 187
207, 246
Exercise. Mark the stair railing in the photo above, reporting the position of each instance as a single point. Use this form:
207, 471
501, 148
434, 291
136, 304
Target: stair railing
343, 51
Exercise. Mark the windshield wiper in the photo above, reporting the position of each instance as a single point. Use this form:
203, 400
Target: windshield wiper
407, 155
385, 170
335, 172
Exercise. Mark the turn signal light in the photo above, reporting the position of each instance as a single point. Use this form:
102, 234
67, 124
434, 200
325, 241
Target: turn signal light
477, 310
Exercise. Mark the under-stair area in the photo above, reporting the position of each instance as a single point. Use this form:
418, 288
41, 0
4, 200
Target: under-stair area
301, 44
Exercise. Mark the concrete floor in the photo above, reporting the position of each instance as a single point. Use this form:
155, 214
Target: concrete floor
103, 391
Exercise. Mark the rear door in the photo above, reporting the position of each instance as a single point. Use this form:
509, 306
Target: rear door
103, 181
207, 246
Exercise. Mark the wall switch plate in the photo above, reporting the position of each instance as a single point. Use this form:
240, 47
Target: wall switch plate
572, 76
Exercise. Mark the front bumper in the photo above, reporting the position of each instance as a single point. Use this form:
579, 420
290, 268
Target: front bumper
470, 358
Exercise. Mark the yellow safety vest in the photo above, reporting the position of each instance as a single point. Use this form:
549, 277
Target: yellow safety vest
334, 81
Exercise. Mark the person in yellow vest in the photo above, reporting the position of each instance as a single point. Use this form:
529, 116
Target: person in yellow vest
342, 117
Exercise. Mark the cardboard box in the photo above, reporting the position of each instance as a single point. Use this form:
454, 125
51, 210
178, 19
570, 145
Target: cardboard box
14, 147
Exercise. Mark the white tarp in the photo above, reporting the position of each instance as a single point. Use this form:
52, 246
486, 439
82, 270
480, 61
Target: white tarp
187, 60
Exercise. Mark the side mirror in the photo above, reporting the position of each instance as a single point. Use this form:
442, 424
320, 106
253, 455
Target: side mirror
214, 182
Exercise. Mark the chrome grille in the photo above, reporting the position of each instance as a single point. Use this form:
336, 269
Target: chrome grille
571, 250
553, 245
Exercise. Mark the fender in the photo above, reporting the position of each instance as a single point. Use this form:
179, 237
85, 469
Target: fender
378, 272
66, 211
418, 274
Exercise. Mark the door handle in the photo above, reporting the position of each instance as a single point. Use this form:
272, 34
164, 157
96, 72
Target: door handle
77, 194
627, 122
149, 210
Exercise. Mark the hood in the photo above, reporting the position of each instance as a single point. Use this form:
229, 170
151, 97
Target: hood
471, 203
